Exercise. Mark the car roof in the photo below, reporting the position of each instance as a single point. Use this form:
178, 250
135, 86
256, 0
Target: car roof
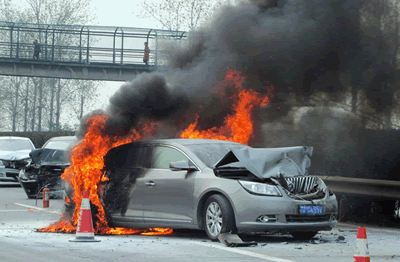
14, 137
63, 138
184, 141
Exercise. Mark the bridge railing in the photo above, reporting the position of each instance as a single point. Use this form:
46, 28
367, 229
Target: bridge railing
82, 44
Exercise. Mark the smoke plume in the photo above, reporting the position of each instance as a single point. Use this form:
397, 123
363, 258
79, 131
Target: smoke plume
299, 47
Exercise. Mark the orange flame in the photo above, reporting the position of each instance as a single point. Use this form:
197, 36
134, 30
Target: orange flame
85, 173
237, 127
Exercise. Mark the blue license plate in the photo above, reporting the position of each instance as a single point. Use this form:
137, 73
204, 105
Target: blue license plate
311, 209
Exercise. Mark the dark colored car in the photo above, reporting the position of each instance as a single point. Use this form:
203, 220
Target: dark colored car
216, 186
14, 155
46, 167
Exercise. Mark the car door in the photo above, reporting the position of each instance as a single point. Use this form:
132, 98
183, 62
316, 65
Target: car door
169, 194
130, 190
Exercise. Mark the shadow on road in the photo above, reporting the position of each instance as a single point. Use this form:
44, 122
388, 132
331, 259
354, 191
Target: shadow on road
9, 184
259, 238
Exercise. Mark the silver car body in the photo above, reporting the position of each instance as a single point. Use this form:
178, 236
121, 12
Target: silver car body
9, 156
165, 198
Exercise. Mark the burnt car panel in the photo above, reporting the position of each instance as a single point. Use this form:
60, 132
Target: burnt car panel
145, 189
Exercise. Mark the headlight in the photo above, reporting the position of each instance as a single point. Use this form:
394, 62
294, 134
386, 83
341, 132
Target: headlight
260, 189
1, 163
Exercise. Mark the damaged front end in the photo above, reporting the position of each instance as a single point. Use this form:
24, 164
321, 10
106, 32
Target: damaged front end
283, 197
45, 170
12, 164
284, 167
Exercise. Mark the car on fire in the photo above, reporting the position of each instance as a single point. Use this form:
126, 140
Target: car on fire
14, 155
46, 167
216, 186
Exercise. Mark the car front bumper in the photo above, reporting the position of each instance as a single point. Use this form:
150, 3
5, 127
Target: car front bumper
8, 174
30, 187
283, 213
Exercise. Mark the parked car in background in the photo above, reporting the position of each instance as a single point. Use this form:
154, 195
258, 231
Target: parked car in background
217, 186
14, 155
46, 167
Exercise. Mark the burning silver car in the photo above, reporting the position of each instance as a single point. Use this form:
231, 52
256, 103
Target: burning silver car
217, 186
14, 155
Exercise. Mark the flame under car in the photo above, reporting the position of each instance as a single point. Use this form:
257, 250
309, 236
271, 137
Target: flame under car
216, 186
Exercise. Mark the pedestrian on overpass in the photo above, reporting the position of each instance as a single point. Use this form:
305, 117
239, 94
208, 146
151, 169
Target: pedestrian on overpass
36, 49
146, 53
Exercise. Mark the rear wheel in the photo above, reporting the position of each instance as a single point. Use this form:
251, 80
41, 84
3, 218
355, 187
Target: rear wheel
218, 216
304, 235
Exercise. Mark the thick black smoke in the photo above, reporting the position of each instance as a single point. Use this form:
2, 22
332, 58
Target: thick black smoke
300, 47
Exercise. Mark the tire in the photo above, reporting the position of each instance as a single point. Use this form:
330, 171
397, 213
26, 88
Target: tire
218, 216
304, 235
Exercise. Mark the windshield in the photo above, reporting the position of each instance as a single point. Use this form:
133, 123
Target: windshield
210, 154
60, 144
15, 144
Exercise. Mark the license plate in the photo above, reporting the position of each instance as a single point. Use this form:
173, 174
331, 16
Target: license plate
311, 209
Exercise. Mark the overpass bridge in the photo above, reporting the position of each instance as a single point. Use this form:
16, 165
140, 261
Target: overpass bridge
81, 51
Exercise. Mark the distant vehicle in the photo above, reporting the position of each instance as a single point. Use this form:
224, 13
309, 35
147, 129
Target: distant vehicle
46, 167
216, 186
14, 155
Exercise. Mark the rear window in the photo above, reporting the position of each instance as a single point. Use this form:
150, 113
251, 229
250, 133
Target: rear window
210, 154
59, 144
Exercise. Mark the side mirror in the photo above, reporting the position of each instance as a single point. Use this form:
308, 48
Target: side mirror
182, 165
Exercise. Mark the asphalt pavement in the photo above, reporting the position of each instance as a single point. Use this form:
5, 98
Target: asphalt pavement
19, 241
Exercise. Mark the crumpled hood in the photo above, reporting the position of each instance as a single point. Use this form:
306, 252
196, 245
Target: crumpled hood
14, 155
270, 162
46, 156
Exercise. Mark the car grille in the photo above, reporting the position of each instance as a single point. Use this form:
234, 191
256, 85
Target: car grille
305, 219
302, 184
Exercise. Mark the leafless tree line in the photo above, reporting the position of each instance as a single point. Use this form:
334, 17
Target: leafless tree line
40, 104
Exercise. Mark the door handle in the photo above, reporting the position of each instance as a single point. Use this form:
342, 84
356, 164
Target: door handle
150, 184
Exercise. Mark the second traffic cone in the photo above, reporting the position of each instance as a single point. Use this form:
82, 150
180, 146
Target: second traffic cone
361, 253
84, 231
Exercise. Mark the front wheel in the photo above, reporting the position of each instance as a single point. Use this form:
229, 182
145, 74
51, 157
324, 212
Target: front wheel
218, 216
304, 235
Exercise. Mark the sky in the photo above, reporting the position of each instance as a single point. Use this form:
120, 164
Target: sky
118, 13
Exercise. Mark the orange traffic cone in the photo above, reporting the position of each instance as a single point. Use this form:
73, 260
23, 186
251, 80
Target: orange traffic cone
361, 254
84, 231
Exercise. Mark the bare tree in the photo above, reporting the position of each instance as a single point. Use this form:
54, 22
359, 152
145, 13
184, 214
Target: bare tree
83, 97
380, 22
41, 100
178, 14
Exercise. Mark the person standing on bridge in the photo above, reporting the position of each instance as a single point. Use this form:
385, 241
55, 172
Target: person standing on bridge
36, 49
146, 53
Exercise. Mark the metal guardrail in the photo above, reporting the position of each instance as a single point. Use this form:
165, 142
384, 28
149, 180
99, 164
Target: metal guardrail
363, 187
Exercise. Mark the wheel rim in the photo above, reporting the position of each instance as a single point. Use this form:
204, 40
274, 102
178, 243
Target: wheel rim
214, 219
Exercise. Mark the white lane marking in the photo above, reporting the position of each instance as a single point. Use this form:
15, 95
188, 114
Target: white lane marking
244, 252
16, 210
39, 208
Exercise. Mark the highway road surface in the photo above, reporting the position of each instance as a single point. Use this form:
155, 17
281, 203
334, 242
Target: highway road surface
19, 217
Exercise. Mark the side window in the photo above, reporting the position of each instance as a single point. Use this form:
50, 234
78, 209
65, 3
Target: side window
134, 157
123, 157
162, 156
